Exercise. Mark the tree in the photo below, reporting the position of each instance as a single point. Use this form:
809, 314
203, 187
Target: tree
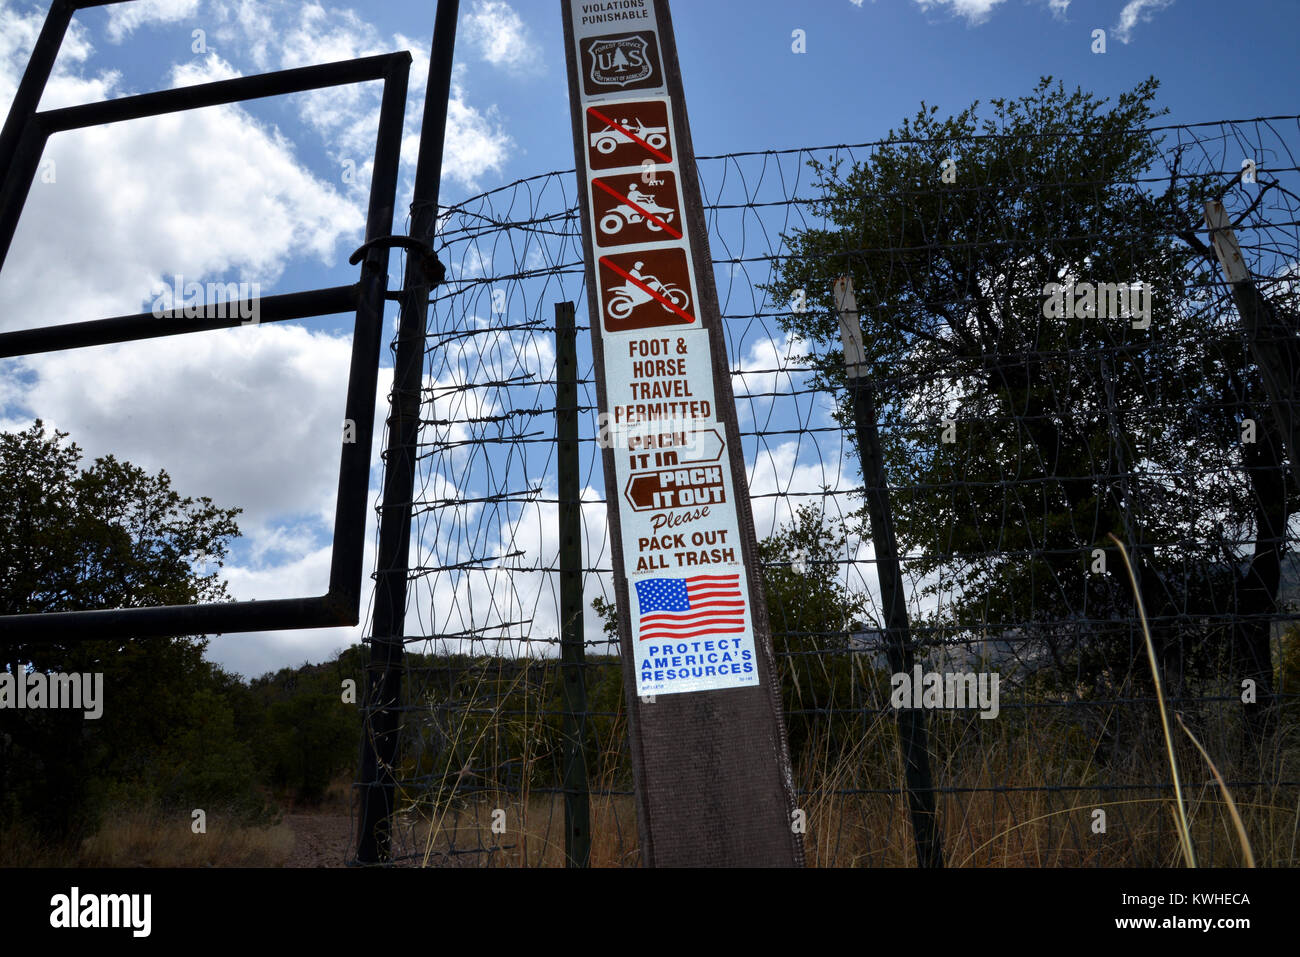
1071, 424
307, 735
815, 616
105, 536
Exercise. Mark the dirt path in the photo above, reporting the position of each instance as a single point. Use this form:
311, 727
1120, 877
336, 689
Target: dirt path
320, 840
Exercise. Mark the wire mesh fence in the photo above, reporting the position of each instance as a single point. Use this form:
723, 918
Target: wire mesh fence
1055, 357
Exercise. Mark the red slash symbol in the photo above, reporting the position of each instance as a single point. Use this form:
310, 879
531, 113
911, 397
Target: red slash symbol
610, 140
640, 290
629, 207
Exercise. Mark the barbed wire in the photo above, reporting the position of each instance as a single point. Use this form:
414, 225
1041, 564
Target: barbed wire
1014, 440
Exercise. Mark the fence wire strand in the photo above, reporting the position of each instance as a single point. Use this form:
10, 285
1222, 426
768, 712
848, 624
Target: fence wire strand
1014, 439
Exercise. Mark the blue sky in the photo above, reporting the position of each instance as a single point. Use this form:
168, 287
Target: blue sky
260, 193
868, 65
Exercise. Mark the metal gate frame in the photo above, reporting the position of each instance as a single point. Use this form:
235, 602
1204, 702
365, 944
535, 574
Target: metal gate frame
22, 141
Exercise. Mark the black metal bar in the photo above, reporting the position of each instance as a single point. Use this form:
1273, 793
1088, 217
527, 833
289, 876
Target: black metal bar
384, 688
346, 564
898, 643
341, 606
577, 800
15, 187
234, 617
280, 83
145, 325
32, 86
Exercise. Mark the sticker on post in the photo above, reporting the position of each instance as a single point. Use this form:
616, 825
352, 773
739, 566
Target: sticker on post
621, 62
628, 134
693, 633
627, 210
647, 289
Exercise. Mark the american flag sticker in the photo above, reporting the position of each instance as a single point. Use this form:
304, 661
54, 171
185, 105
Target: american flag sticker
693, 634
674, 608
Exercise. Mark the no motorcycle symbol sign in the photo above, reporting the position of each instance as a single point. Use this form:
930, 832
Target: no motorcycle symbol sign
646, 289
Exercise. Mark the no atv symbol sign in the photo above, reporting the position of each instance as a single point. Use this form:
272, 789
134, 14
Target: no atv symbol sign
629, 210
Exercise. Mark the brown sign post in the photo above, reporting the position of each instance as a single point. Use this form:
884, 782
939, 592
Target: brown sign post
709, 753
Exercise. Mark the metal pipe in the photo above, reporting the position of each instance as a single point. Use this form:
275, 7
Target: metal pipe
15, 187
382, 719
328, 611
912, 737
145, 325
347, 562
25, 135
280, 83
32, 86
577, 799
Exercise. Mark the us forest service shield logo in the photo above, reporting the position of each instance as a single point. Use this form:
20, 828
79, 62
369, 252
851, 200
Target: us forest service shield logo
629, 61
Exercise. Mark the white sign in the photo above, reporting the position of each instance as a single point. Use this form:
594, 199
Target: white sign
618, 48
691, 620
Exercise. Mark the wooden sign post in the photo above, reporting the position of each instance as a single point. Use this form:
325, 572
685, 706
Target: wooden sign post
709, 752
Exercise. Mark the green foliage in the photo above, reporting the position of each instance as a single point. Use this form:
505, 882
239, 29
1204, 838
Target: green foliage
304, 734
104, 536
1068, 427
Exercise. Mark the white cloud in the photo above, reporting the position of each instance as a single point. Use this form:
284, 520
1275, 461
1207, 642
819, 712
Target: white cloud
252, 655
500, 36
124, 18
205, 194
975, 11
18, 34
978, 11
346, 117
771, 365
1134, 12
248, 23
251, 416
476, 143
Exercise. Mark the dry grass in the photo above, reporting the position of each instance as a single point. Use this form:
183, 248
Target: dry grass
20, 847
1023, 792
147, 839
1017, 823
1005, 828
143, 838
534, 833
